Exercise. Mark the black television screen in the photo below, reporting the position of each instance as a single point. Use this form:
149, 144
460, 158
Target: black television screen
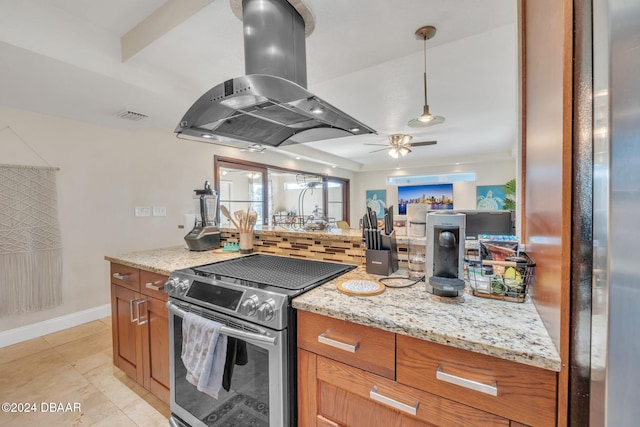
488, 222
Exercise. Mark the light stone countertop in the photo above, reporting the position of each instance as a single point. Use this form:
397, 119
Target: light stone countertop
167, 260
508, 330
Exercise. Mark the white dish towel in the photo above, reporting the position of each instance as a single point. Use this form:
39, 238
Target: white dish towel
204, 351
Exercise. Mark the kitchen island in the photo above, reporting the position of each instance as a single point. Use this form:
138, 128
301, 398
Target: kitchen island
511, 331
501, 345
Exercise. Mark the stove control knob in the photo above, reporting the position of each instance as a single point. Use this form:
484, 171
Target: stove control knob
267, 310
183, 286
249, 307
171, 284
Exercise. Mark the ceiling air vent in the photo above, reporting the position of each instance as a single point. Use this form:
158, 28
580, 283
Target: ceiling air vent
130, 115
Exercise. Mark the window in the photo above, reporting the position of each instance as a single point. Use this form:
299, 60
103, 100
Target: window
240, 187
284, 197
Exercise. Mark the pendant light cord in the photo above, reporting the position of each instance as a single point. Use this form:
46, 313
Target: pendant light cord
425, 70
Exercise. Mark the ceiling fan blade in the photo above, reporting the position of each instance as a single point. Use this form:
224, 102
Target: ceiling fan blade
421, 143
382, 149
379, 145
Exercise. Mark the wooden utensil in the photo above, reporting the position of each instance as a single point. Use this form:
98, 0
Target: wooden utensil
242, 220
226, 213
253, 218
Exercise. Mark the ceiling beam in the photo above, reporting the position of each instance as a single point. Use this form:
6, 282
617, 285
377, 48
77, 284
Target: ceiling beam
160, 22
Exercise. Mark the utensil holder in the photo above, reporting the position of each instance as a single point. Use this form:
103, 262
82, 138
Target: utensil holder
385, 260
246, 243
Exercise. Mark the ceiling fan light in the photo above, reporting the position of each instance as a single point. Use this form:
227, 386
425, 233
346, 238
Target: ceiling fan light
393, 152
404, 151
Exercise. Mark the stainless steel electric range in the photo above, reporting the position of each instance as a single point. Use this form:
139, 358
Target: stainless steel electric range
251, 296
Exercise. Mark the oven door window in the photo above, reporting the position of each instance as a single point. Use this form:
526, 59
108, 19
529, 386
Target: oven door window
250, 386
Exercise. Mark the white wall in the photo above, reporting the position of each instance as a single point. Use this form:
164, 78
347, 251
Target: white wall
464, 193
104, 174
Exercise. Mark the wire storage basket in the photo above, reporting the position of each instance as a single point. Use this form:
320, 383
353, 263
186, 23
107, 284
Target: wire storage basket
507, 279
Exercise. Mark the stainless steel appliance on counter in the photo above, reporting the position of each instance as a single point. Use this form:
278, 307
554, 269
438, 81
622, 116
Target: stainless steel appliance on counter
205, 235
251, 296
445, 254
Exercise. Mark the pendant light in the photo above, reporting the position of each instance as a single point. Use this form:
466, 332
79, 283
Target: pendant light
426, 118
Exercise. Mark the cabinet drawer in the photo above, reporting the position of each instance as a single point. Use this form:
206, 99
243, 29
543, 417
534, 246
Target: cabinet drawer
152, 284
122, 275
353, 397
360, 346
513, 390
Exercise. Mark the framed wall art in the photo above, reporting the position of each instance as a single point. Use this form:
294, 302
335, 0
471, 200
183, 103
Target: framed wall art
490, 197
438, 196
377, 201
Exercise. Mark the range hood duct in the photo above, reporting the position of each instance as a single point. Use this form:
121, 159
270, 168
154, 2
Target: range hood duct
270, 105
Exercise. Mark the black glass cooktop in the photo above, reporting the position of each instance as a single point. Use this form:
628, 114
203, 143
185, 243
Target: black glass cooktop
281, 272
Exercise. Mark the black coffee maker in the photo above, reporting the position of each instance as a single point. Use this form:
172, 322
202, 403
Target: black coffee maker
205, 235
445, 254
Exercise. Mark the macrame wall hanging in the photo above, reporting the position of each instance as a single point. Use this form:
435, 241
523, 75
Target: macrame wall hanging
30, 241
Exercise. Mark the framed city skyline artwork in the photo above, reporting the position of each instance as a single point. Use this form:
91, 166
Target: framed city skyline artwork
439, 196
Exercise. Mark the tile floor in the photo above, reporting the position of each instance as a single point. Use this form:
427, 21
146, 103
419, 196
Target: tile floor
74, 367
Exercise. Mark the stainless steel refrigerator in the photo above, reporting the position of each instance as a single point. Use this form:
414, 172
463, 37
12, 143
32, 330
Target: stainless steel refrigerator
613, 313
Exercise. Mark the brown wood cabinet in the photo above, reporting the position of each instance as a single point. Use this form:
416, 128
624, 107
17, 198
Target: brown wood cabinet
140, 327
513, 390
341, 383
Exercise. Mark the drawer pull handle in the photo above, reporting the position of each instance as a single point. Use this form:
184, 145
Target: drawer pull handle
374, 395
158, 285
470, 384
141, 320
121, 276
133, 319
351, 348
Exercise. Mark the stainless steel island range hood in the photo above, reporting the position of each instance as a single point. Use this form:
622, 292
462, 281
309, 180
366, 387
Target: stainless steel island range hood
270, 105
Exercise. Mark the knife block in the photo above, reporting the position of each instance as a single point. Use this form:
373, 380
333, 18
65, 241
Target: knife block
385, 260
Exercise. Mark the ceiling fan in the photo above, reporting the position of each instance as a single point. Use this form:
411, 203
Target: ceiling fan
399, 145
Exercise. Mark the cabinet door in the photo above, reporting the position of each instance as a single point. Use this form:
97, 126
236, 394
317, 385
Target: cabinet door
127, 338
155, 348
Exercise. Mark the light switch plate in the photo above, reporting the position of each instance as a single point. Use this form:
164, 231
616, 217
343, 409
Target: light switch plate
143, 211
159, 211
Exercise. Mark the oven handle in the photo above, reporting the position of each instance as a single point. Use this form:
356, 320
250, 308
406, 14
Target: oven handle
225, 330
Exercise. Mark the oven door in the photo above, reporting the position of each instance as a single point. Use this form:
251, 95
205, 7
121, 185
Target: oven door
257, 392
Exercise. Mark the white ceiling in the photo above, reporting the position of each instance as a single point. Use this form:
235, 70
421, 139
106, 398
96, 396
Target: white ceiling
62, 57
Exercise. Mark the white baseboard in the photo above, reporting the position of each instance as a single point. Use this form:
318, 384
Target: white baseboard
35, 330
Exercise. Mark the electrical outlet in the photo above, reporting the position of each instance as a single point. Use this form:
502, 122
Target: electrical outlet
143, 211
159, 211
